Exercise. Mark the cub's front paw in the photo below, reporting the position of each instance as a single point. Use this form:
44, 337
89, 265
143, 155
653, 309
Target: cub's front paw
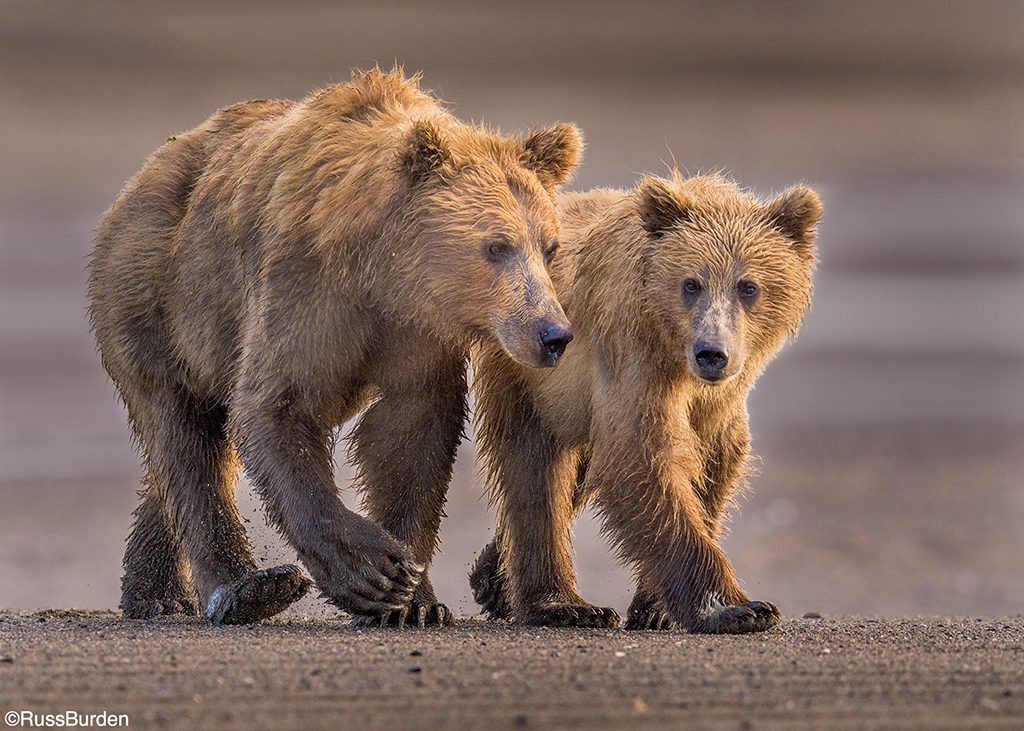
257, 595
579, 614
738, 620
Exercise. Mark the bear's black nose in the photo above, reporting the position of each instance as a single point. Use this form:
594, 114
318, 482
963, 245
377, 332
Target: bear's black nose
710, 360
554, 337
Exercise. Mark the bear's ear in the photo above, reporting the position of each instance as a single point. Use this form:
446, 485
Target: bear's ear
427, 152
553, 153
660, 206
796, 212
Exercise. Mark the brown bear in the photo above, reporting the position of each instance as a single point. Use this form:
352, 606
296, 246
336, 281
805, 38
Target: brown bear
276, 270
680, 292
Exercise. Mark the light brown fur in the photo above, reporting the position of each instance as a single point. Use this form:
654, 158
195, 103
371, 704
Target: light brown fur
282, 267
629, 419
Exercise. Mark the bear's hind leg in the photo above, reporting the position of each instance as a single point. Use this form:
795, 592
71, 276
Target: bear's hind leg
488, 585
155, 581
195, 468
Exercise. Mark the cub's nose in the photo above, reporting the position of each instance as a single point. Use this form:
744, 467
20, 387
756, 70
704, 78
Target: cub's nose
711, 360
553, 339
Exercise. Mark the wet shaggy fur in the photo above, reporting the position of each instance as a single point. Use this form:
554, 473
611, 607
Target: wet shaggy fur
273, 272
651, 278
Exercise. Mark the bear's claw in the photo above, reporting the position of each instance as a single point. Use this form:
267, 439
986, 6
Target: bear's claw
573, 615
417, 614
257, 595
650, 619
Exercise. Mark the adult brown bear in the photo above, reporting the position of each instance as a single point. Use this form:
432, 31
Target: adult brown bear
680, 292
279, 268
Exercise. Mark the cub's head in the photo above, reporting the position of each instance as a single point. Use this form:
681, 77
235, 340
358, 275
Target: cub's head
483, 210
728, 274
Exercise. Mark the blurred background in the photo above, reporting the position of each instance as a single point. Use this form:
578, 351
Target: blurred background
891, 435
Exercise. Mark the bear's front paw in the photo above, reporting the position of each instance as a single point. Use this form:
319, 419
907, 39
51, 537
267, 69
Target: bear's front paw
738, 620
257, 595
579, 614
370, 574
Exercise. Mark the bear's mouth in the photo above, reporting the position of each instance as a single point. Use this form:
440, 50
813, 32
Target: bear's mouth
713, 380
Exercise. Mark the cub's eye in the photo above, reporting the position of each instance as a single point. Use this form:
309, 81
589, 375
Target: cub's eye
747, 289
691, 286
550, 252
498, 249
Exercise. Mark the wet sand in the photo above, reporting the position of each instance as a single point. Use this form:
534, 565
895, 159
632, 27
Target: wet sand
837, 673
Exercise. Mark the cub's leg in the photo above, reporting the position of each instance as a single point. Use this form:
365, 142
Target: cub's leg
193, 469
642, 476
696, 584
533, 481
156, 580
405, 448
660, 528
724, 470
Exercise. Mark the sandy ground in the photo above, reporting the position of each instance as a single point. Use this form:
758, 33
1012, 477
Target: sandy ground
844, 673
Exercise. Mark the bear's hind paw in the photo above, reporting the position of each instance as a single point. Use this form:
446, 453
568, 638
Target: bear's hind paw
257, 595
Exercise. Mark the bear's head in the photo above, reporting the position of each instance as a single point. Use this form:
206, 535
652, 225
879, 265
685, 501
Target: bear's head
482, 214
728, 276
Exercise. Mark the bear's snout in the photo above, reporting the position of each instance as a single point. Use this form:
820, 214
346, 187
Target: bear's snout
554, 337
711, 360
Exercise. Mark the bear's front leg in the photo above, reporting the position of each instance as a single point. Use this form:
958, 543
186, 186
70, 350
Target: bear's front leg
685, 576
533, 480
727, 436
642, 471
286, 449
404, 448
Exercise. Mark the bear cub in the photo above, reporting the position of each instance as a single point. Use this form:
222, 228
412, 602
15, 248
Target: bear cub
680, 292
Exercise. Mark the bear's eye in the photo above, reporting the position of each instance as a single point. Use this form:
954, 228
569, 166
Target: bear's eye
550, 252
747, 289
691, 286
498, 249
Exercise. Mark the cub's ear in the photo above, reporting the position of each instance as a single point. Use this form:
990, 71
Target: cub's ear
427, 152
553, 153
660, 206
796, 212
